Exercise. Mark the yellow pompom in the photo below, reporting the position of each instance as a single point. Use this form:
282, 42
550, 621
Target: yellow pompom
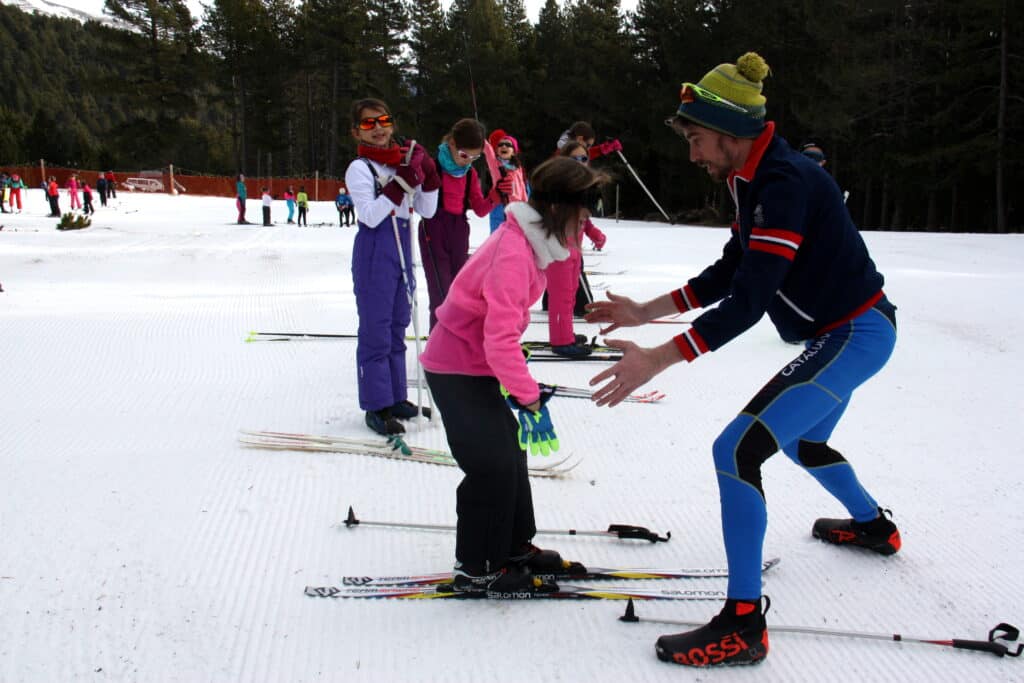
752, 67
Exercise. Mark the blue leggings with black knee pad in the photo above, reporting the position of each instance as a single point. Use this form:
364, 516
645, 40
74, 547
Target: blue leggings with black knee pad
797, 411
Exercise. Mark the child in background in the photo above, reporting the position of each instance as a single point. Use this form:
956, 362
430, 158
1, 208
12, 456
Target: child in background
267, 201
340, 203
53, 195
477, 372
240, 196
289, 200
72, 186
444, 238
101, 187
564, 280
303, 201
16, 184
87, 199
506, 173
387, 183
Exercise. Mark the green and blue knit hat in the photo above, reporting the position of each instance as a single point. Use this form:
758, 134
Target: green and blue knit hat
728, 99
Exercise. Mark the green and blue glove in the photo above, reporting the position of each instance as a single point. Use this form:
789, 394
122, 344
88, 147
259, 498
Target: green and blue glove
536, 431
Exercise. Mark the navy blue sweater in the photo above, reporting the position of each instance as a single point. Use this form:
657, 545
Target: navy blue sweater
794, 253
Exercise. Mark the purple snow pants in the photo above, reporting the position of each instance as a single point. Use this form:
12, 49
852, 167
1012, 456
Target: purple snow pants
444, 249
384, 313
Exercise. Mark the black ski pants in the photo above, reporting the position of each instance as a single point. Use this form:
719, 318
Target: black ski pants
494, 503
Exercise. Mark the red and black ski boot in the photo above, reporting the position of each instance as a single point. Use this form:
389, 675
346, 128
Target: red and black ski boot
879, 535
737, 636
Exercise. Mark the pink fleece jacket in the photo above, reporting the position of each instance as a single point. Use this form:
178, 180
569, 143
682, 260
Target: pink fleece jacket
487, 309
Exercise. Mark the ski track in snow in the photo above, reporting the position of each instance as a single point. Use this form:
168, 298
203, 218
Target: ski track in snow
141, 541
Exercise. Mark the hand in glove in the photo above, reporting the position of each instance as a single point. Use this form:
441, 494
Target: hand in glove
535, 428
599, 242
431, 180
606, 148
412, 178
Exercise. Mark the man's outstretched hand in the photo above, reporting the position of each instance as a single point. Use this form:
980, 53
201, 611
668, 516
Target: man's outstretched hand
620, 311
638, 366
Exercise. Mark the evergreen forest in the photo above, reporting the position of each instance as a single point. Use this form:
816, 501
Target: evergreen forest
919, 104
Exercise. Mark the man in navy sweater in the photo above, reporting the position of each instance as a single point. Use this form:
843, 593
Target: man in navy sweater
795, 254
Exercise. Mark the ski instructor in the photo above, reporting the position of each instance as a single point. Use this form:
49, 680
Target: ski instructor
795, 254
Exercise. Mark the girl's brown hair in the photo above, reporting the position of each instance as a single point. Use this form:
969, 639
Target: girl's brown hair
467, 134
561, 187
572, 147
581, 129
369, 103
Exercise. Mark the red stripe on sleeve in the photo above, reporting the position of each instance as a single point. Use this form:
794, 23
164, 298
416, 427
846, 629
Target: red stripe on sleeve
778, 249
684, 348
788, 235
698, 340
677, 299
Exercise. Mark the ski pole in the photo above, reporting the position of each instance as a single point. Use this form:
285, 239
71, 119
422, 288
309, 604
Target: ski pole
411, 293
614, 530
623, 157
1002, 631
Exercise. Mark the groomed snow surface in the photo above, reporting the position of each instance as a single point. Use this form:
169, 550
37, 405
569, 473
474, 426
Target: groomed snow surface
139, 541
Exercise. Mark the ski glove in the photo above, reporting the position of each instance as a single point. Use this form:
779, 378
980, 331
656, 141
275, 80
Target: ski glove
606, 148
407, 179
536, 431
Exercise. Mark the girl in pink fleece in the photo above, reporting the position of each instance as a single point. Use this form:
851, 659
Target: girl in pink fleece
476, 371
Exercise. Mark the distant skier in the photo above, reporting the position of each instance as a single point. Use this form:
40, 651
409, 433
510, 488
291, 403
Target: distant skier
267, 201
240, 196
53, 195
385, 190
795, 255
101, 188
477, 372
289, 200
16, 184
343, 202
303, 201
87, 207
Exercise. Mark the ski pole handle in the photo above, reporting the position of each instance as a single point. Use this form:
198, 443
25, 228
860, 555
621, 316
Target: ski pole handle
998, 649
629, 531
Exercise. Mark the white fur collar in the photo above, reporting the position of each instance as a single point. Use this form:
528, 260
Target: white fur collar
545, 248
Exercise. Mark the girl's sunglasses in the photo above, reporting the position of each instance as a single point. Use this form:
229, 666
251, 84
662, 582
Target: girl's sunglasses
467, 157
505, 144
384, 120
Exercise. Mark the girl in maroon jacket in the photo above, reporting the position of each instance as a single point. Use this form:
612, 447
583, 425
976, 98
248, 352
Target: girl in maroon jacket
444, 239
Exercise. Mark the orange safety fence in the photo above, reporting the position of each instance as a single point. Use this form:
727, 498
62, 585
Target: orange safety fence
322, 188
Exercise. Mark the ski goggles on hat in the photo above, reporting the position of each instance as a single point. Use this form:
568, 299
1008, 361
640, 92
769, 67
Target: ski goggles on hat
370, 122
692, 92
582, 158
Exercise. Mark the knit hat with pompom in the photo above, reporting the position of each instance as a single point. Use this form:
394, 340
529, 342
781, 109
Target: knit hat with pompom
728, 99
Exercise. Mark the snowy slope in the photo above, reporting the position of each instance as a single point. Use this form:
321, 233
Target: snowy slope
83, 10
140, 541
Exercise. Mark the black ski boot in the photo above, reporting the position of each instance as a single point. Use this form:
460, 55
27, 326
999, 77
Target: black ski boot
406, 410
880, 534
738, 635
573, 351
546, 564
509, 583
382, 422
